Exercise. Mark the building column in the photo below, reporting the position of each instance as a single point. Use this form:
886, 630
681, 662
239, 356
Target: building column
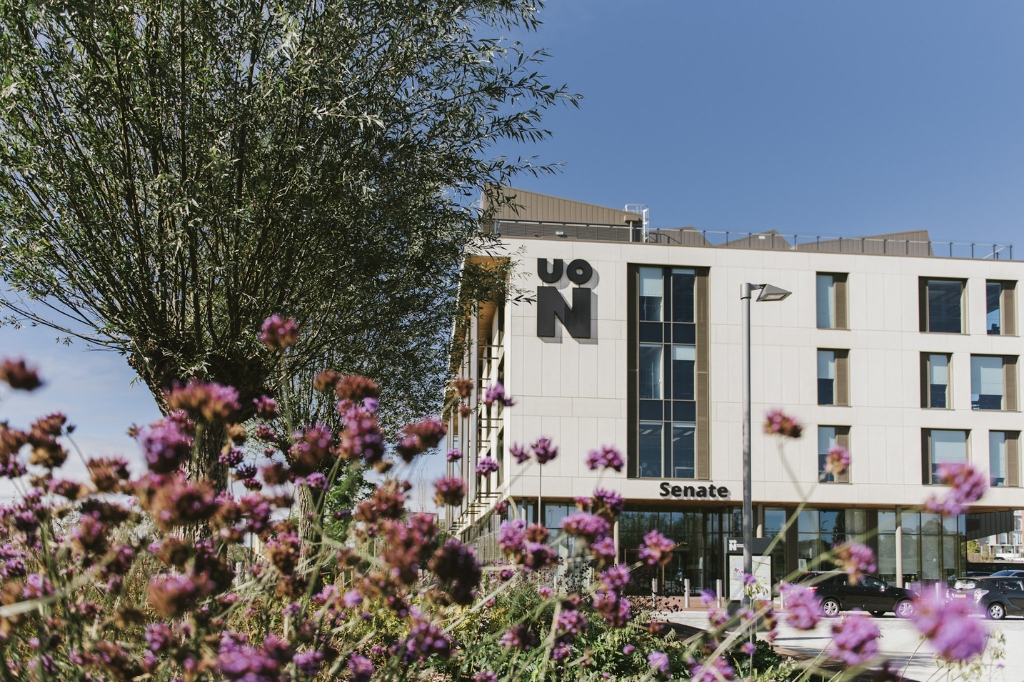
472, 432
615, 537
759, 521
899, 547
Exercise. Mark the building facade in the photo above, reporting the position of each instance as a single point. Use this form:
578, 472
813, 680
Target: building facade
632, 337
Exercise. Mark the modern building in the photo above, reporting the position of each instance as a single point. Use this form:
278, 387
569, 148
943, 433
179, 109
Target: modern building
901, 349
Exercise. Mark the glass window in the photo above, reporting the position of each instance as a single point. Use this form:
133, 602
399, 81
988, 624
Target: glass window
774, 522
986, 382
947, 447
826, 377
651, 293
683, 451
826, 441
650, 450
684, 359
826, 302
993, 307
938, 380
944, 309
650, 371
997, 458
682, 295
887, 557
807, 522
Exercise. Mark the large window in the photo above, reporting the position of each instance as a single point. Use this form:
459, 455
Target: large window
833, 377
1000, 312
667, 379
831, 289
828, 438
942, 305
651, 294
993, 382
935, 391
942, 446
1003, 458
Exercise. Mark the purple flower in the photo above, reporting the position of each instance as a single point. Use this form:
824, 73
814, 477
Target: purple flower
361, 667
424, 640
856, 560
212, 401
454, 455
587, 526
603, 551
519, 452
708, 597
967, 486
608, 503
16, 374
501, 507
512, 536
317, 481
231, 458
948, 626
837, 461
485, 676
803, 610
455, 565
656, 549
278, 333
165, 445
266, 407
608, 457
854, 639
352, 599
628, 649
519, 637
544, 591
776, 422
486, 466
659, 663
496, 393
449, 491
748, 648
535, 556
715, 670
570, 622
544, 450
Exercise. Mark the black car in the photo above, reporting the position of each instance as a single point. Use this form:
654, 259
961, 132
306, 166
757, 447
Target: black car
996, 596
869, 594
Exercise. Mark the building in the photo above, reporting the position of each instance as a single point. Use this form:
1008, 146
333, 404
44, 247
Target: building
901, 349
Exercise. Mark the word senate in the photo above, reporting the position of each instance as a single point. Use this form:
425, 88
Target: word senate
669, 490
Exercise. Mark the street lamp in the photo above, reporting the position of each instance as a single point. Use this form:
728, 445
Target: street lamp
768, 294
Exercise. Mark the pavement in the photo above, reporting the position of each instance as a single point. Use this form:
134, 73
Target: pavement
901, 643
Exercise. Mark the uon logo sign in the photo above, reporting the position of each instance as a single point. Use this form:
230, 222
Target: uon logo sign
550, 304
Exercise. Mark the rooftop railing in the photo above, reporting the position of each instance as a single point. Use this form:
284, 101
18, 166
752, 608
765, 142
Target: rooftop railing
896, 244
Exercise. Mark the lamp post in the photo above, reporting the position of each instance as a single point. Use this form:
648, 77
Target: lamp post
768, 294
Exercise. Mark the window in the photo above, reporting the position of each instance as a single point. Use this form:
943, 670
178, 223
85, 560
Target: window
993, 382
833, 377
831, 301
684, 359
1000, 313
650, 449
941, 446
941, 302
935, 391
650, 372
651, 294
1003, 459
828, 438
683, 451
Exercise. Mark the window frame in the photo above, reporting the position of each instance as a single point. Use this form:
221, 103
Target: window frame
839, 293
924, 304
928, 466
926, 385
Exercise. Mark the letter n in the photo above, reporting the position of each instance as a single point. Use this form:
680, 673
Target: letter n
576, 319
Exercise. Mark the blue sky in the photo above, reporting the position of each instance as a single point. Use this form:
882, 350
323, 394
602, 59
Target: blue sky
810, 117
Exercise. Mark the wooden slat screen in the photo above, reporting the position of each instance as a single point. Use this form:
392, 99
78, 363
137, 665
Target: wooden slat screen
843, 440
842, 307
842, 394
1010, 382
1013, 459
632, 372
926, 393
922, 303
703, 319
1009, 304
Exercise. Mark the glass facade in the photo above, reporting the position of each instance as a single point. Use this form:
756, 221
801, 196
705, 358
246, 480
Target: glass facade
826, 290
666, 374
826, 377
994, 307
997, 456
944, 311
987, 382
938, 381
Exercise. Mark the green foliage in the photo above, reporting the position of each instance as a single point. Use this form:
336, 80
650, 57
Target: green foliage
173, 172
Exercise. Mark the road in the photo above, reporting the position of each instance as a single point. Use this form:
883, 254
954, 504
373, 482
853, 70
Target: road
901, 643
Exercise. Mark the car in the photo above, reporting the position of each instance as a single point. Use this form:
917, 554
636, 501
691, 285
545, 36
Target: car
836, 593
997, 596
1009, 573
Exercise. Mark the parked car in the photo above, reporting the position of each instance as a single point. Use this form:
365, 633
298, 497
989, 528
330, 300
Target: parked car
871, 594
997, 596
1009, 573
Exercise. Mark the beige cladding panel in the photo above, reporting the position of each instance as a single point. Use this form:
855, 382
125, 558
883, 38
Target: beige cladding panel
541, 207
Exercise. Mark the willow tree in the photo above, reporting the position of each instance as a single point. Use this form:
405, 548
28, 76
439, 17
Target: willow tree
173, 171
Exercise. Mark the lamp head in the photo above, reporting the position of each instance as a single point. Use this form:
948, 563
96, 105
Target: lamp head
771, 293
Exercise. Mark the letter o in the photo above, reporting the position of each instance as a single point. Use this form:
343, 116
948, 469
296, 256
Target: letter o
579, 271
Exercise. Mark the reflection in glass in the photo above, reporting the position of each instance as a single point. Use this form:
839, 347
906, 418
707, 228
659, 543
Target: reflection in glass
947, 447
826, 302
826, 441
993, 307
938, 380
944, 313
650, 450
826, 377
997, 458
650, 371
684, 360
683, 295
651, 294
986, 382
683, 451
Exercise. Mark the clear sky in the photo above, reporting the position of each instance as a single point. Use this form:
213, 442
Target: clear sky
832, 118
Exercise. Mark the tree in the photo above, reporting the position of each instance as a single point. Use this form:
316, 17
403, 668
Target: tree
174, 171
